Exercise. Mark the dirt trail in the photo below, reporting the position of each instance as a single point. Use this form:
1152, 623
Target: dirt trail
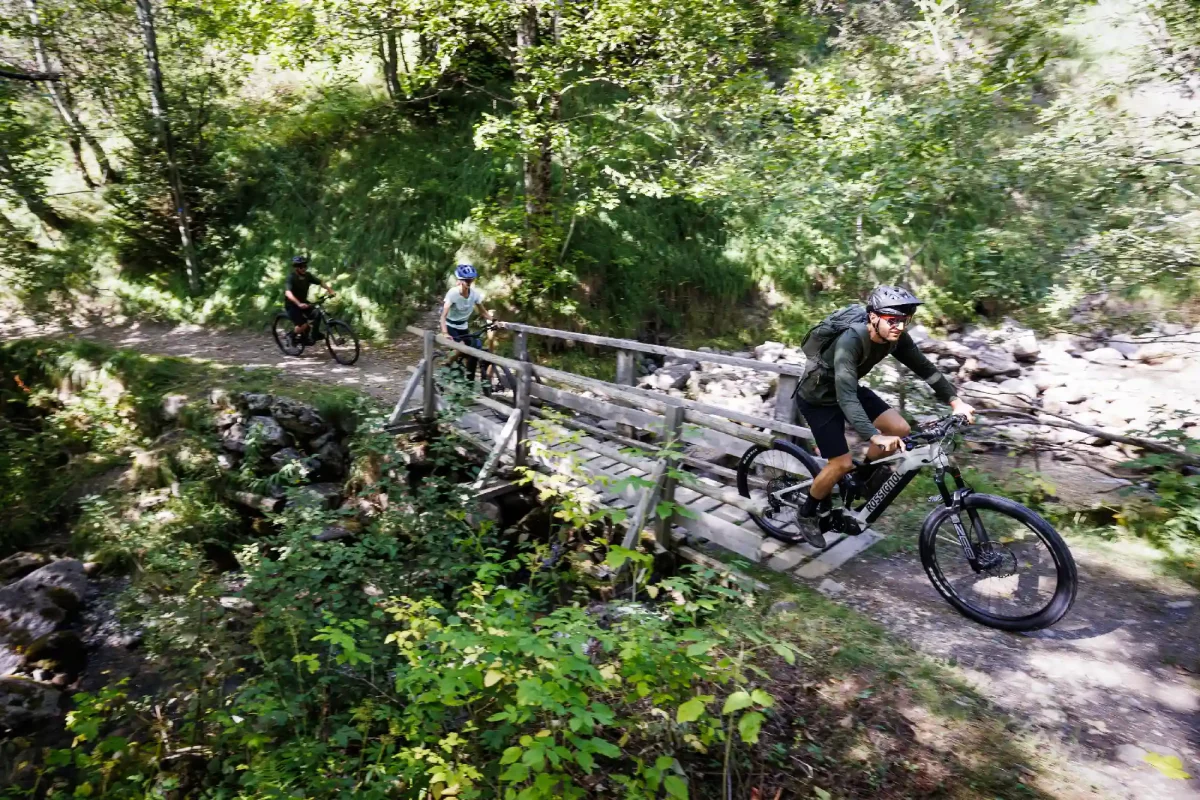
1116, 680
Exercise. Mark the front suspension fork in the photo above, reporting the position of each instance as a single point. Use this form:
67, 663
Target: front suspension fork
954, 501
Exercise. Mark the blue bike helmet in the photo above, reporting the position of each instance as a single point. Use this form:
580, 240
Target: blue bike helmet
466, 272
300, 261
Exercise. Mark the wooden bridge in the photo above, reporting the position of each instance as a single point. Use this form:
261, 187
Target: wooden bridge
562, 442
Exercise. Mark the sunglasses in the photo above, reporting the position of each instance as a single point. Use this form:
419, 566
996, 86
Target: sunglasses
896, 320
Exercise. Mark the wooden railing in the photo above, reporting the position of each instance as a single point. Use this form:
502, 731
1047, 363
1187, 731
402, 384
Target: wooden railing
670, 420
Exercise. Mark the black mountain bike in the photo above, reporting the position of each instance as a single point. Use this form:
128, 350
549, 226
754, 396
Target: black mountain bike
996, 561
338, 335
494, 378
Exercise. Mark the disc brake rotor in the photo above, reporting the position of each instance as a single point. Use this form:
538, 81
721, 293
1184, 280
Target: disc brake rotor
997, 561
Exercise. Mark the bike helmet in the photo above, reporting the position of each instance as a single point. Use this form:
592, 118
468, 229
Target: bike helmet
299, 261
466, 272
892, 300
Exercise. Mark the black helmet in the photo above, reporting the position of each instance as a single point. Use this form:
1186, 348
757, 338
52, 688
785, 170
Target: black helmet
299, 261
892, 300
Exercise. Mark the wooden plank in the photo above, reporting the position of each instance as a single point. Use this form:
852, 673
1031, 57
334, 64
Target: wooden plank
409, 390
657, 349
625, 394
835, 556
497, 489
598, 408
716, 530
502, 440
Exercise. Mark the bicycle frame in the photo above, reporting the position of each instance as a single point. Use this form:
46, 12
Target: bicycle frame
907, 464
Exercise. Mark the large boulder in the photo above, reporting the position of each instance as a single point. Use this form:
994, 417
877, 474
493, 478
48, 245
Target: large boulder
255, 402
298, 417
34, 607
233, 438
318, 496
1056, 399
334, 459
289, 455
26, 704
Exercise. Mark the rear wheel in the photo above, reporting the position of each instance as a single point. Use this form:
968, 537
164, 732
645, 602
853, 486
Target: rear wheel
284, 332
1026, 578
342, 343
781, 474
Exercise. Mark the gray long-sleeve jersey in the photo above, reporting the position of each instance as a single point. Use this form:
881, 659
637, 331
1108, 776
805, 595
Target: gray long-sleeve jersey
835, 381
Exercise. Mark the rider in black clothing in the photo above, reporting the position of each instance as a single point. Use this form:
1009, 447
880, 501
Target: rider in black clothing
829, 395
295, 295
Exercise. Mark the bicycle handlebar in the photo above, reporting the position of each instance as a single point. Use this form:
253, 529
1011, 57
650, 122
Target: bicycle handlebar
935, 431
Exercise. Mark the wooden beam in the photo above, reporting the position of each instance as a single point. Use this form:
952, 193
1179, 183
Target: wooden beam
465, 349
598, 408
626, 376
524, 397
662, 350
646, 504
409, 390
430, 396
506, 434
672, 427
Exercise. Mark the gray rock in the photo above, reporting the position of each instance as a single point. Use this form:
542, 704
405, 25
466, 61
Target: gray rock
34, 606
830, 588
334, 459
256, 403
298, 417
1020, 388
1024, 347
991, 364
332, 532
318, 495
18, 565
487, 510
27, 704
172, 404
1057, 398
267, 432
282, 458
704, 349
783, 607
1105, 355
1130, 754
226, 418
1124, 347
1178, 604
234, 438
61, 651
669, 376
220, 398
235, 604
322, 440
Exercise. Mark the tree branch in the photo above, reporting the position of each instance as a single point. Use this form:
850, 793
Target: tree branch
29, 76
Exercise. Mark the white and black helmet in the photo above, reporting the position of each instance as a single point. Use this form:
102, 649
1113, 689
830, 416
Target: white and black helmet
892, 300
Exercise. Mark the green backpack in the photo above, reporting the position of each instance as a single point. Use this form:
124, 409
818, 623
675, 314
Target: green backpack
827, 331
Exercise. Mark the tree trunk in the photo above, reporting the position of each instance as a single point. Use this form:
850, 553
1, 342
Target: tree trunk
60, 98
539, 157
391, 65
108, 173
37, 205
158, 110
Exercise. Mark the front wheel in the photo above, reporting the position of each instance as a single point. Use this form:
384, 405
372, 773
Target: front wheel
780, 474
342, 343
1024, 577
285, 337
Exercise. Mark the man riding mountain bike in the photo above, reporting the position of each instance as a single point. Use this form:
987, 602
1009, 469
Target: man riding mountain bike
460, 303
842, 349
295, 294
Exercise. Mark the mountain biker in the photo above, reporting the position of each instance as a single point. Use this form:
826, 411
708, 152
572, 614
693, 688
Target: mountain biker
460, 303
295, 294
829, 395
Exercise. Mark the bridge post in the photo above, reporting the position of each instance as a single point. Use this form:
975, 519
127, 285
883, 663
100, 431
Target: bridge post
785, 403
672, 430
524, 393
430, 399
626, 376
520, 346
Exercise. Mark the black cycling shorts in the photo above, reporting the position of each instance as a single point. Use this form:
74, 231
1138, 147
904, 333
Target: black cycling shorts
296, 314
828, 423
